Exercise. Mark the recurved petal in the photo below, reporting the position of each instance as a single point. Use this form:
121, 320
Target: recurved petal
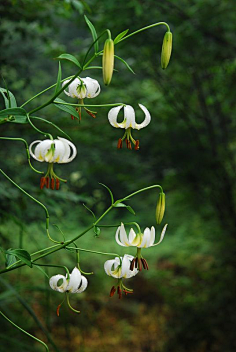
31, 152
59, 152
112, 117
126, 272
132, 235
145, 239
67, 93
152, 237
73, 89
93, 87
162, 235
113, 268
83, 285
70, 150
75, 280
42, 149
123, 236
117, 237
147, 119
129, 116
53, 283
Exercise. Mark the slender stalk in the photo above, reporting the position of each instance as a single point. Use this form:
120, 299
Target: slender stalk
38, 130
25, 332
91, 251
144, 28
89, 105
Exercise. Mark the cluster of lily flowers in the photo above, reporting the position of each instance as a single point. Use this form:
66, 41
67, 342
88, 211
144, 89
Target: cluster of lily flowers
119, 268
63, 151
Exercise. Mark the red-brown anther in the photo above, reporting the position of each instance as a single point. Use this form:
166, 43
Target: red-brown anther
136, 145
52, 183
72, 117
42, 182
145, 263
132, 265
129, 145
126, 292
119, 144
47, 181
90, 113
119, 292
57, 183
113, 290
139, 264
58, 310
136, 262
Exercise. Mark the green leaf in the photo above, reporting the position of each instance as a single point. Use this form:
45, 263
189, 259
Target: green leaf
128, 207
9, 99
78, 6
111, 194
131, 210
51, 123
42, 271
126, 64
90, 211
69, 58
58, 86
67, 108
120, 36
22, 254
16, 115
93, 32
10, 259
97, 231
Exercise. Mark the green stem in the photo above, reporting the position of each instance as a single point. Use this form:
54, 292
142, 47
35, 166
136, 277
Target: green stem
55, 266
144, 28
139, 191
68, 302
38, 130
96, 252
25, 332
125, 223
27, 150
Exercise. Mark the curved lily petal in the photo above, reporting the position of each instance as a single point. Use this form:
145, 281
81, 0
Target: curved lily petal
31, 152
152, 237
54, 280
147, 119
126, 272
42, 149
63, 84
129, 116
67, 144
75, 280
132, 235
123, 236
112, 117
145, 239
93, 87
75, 90
59, 151
113, 268
117, 237
83, 285
162, 235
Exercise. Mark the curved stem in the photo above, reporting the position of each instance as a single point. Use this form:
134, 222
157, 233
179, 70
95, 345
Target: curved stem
68, 302
144, 28
38, 130
27, 150
139, 191
55, 266
91, 251
25, 332
90, 105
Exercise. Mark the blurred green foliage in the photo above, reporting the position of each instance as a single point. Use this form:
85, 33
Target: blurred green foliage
186, 301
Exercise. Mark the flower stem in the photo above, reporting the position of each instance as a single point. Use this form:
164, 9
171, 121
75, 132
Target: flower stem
68, 302
90, 105
25, 332
143, 29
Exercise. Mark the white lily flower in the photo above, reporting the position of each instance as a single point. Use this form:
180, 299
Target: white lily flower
77, 283
59, 151
82, 88
128, 123
120, 268
139, 240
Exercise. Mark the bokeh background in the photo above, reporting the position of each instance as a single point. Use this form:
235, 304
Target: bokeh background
186, 301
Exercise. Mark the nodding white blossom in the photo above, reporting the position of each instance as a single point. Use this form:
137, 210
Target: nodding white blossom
128, 123
139, 240
82, 88
77, 283
120, 267
53, 151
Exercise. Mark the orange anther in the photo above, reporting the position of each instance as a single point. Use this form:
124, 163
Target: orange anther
42, 182
57, 183
136, 145
47, 182
119, 144
52, 183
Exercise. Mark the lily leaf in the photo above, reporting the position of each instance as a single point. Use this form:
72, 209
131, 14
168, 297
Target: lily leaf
120, 36
10, 259
21, 254
67, 108
58, 86
93, 32
51, 123
128, 207
126, 64
97, 231
69, 57
16, 115
112, 198
9, 99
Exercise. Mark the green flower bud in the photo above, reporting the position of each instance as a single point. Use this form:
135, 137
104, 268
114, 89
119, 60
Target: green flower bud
108, 61
160, 209
166, 49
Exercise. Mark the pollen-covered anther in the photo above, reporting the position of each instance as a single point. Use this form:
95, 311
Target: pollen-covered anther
119, 144
72, 117
57, 184
58, 309
145, 264
112, 292
129, 145
42, 182
139, 264
52, 183
132, 264
119, 292
136, 145
47, 181
90, 113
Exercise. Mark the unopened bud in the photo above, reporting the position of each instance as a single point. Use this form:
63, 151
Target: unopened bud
160, 209
108, 61
166, 49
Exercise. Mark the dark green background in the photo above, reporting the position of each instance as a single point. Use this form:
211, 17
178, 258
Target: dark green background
186, 301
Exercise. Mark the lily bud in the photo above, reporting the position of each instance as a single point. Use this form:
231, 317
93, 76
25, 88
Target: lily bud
166, 49
108, 61
160, 209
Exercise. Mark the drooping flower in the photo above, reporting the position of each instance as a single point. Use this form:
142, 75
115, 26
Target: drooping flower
128, 123
120, 268
82, 88
139, 240
76, 283
59, 151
